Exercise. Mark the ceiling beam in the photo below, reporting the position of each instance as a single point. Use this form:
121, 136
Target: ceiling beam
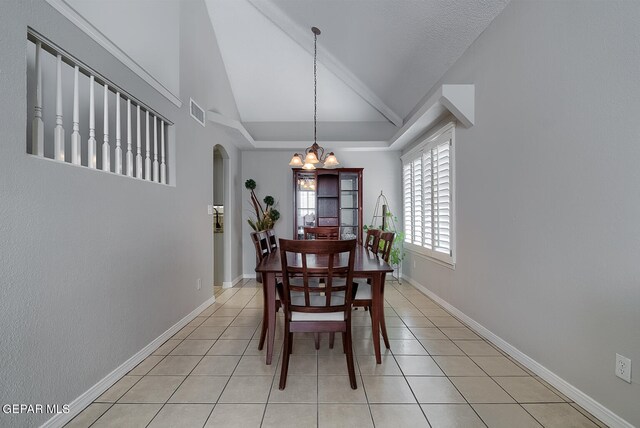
305, 39
214, 117
458, 100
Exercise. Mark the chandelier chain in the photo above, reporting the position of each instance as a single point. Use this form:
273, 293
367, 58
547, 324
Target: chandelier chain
315, 87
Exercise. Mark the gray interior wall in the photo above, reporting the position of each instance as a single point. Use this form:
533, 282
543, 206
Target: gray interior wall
199, 68
547, 192
156, 48
94, 266
270, 170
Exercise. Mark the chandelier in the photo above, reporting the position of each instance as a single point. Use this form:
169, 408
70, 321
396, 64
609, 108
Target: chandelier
315, 154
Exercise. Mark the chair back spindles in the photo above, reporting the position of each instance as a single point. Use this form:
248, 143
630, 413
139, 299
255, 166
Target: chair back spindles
386, 239
322, 232
261, 245
371, 243
272, 240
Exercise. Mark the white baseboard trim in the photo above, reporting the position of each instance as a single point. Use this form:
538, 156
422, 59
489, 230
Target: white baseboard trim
579, 397
77, 405
229, 284
249, 276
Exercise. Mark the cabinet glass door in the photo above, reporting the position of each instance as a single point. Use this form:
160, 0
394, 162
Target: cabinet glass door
349, 205
306, 202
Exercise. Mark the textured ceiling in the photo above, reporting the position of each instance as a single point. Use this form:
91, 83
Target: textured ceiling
398, 48
378, 59
272, 76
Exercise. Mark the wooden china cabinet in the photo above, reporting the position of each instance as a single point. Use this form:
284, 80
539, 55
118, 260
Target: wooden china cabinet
328, 197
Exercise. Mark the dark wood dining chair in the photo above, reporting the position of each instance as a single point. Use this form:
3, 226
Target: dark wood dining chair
272, 240
311, 309
322, 232
364, 295
372, 240
261, 242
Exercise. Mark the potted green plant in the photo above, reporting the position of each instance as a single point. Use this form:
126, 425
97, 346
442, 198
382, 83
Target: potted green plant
264, 218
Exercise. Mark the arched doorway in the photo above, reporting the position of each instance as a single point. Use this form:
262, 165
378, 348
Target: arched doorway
221, 256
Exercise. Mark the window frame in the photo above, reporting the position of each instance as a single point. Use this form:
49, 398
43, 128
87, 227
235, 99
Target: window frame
443, 134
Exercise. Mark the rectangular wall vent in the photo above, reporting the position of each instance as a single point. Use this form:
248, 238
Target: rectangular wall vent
197, 112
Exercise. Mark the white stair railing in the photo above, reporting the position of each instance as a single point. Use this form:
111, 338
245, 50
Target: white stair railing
43, 56
76, 150
147, 159
129, 153
138, 145
118, 148
91, 143
37, 127
59, 131
163, 167
106, 149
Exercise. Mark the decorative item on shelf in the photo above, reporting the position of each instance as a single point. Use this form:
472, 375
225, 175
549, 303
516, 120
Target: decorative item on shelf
388, 223
264, 218
315, 154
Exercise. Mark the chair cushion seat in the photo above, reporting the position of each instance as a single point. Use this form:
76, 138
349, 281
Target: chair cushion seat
310, 316
320, 301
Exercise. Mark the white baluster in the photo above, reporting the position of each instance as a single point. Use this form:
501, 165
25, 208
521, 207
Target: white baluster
106, 148
58, 135
155, 148
118, 148
147, 159
76, 149
91, 143
129, 154
37, 125
163, 167
138, 143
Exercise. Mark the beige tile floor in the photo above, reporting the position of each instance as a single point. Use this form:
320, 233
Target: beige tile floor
438, 373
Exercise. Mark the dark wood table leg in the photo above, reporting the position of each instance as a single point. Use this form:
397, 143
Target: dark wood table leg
269, 282
377, 307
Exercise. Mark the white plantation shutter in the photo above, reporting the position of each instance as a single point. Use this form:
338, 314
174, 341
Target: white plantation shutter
408, 202
441, 198
417, 201
427, 179
427, 195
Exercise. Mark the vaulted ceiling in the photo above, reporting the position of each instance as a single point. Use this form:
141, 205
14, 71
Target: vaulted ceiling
377, 59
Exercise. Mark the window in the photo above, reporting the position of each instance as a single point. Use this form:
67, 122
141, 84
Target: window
427, 179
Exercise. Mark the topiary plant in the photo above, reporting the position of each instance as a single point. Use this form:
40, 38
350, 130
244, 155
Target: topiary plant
264, 218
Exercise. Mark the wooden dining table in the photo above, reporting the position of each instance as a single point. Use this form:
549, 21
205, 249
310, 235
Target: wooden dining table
366, 265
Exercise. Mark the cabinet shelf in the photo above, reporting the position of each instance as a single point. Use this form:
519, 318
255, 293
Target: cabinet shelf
336, 201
